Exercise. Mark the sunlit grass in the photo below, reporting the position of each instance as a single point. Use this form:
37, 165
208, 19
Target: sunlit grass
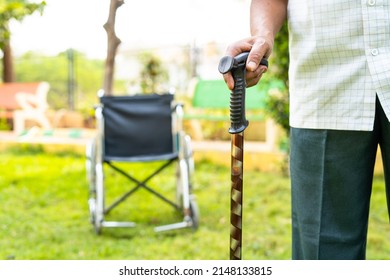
44, 213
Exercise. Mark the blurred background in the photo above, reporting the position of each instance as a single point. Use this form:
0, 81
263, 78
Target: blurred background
171, 45
187, 37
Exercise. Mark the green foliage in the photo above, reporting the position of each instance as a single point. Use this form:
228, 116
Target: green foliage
17, 10
279, 60
278, 108
278, 101
45, 215
153, 75
54, 69
3, 123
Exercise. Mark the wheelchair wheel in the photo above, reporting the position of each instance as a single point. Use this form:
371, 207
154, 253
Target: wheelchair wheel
183, 184
95, 181
90, 165
188, 156
186, 200
184, 171
91, 178
99, 199
92, 210
194, 212
179, 189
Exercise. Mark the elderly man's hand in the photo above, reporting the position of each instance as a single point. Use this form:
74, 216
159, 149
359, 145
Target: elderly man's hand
258, 48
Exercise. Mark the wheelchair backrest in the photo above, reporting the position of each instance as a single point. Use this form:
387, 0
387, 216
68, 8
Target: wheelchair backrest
137, 126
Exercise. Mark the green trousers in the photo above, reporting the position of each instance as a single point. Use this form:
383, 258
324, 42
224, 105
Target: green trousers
331, 177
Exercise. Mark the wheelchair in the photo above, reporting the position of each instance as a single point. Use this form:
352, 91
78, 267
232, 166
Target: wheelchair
140, 129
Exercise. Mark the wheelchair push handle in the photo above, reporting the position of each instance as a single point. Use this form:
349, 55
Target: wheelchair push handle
237, 66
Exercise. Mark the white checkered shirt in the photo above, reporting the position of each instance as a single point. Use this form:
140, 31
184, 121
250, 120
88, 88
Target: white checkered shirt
339, 62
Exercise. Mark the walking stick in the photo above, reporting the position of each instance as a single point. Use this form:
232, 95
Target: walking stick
237, 66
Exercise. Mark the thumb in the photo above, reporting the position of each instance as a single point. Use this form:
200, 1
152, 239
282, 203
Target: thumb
229, 80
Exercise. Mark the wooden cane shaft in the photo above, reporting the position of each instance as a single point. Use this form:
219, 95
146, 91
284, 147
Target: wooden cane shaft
237, 156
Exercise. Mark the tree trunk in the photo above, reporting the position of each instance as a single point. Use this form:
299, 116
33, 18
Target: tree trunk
112, 45
8, 67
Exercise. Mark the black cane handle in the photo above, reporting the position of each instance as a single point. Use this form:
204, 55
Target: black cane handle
237, 66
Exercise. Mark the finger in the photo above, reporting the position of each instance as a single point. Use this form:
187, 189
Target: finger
229, 80
253, 77
234, 50
254, 81
260, 49
238, 48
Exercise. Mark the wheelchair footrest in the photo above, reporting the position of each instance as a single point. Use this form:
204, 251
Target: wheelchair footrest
117, 224
184, 224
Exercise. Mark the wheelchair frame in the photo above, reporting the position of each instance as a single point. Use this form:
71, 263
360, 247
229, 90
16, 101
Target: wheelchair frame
182, 155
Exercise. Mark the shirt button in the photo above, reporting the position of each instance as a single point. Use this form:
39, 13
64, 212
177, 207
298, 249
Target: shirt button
374, 52
371, 2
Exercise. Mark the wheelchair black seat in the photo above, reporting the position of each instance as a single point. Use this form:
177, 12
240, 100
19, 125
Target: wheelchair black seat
149, 133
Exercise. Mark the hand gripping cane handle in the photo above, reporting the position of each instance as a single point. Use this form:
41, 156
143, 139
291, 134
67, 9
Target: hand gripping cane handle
237, 66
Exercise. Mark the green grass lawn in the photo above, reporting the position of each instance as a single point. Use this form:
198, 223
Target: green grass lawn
44, 213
